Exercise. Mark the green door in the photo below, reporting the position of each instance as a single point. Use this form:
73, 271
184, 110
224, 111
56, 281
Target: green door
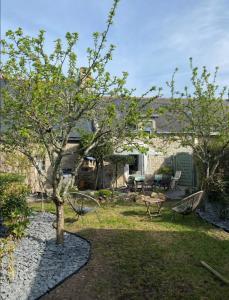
184, 163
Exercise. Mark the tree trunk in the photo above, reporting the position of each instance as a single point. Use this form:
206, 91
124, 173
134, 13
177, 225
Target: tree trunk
204, 183
102, 173
209, 173
96, 175
60, 223
214, 168
76, 170
116, 175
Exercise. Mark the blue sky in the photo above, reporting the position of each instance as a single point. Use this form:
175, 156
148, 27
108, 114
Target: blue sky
152, 37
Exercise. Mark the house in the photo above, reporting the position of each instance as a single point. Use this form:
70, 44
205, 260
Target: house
160, 153
164, 150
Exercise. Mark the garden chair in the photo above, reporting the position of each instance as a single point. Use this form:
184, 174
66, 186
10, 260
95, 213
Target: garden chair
148, 183
82, 204
139, 182
174, 180
131, 184
162, 181
187, 205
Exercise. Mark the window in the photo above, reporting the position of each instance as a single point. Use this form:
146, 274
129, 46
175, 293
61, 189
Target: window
133, 166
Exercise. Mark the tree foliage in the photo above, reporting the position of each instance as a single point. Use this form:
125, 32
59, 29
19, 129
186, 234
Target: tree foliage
202, 116
48, 96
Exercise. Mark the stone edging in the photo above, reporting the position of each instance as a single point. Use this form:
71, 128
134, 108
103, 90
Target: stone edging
77, 271
40, 265
214, 223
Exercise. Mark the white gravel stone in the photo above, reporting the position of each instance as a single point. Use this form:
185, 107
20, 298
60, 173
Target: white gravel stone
40, 264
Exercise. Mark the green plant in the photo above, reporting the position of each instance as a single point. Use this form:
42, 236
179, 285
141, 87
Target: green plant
7, 247
203, 115
103, 193
216, 188
165, 170
15, 213
34, 97
14, 208
6, 178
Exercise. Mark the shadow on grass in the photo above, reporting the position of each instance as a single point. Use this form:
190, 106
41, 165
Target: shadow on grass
192, 220
70, 220
132, 264
166, 219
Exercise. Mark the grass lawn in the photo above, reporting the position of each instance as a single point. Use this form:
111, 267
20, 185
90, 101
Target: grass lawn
134, 257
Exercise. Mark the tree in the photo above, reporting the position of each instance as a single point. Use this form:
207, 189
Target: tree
203, 117
46, 97
99, 152
117, 160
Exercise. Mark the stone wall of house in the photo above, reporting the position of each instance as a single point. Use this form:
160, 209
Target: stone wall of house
165, 153
17, 163
155, 162
71, 154
32, 179
87, 176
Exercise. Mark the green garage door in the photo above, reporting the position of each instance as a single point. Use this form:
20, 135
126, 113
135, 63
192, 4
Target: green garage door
184, 163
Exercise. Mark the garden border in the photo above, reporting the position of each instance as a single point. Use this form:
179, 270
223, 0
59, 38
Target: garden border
73, 273
210, 222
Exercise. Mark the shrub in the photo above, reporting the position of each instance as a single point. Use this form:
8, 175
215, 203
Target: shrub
165, 170
218, 194
13, 205
7, 247
103, 193
6, 178
15, 213
217, 188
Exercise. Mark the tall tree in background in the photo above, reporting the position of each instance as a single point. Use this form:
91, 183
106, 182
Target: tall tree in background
46, 97
99, 153
203, 117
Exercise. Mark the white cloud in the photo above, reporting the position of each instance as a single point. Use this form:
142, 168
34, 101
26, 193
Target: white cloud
202, 31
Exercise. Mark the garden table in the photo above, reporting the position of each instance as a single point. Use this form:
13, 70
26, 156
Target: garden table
149, 203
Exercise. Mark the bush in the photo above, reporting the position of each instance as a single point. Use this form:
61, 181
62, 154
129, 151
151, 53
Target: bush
13, 205
15, 212
165, 170
218, 194
7, 247
103, 193
217, 188
6, 178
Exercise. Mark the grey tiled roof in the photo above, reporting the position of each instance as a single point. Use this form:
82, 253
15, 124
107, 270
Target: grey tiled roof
165, 123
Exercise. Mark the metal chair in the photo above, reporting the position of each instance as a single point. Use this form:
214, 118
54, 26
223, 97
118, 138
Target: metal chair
187, 205
175, 179
82, 204
131, 183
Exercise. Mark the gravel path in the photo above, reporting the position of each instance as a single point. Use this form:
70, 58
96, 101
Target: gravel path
40, 264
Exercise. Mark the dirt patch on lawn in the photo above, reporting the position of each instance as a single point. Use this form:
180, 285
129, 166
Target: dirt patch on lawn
88, 283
